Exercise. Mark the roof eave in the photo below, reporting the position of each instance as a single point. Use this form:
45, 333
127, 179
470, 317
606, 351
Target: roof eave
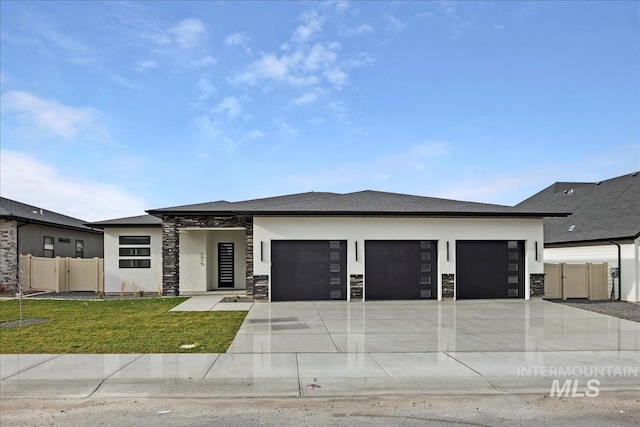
456, 214
51, 224
592, 241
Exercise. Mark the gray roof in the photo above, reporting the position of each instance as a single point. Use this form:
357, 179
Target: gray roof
601, 210
11, 209
358, 203
131, 221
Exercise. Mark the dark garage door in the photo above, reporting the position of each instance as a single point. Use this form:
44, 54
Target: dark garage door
400, 269
310, 270
489, 269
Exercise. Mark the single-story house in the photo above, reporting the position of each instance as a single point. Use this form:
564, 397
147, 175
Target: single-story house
31, 230
132, 254
604, 227
320, 246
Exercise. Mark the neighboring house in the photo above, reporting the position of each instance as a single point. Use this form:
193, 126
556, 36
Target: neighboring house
605, 214
132, 254
26, 229
321, 246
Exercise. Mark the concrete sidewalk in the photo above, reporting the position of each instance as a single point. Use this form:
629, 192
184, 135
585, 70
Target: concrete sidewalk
361, 349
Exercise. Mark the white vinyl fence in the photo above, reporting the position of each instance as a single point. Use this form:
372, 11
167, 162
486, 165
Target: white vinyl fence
61, 274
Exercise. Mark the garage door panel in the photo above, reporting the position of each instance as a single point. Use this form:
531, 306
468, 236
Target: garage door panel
489, 269
308, 270
400, 269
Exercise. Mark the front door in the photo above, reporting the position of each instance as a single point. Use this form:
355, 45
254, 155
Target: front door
225, 265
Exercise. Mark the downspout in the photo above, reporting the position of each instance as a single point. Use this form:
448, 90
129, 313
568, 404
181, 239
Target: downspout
619, 270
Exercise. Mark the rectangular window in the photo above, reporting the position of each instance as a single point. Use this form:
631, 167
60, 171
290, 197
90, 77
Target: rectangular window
48, 247
512, 244
135, 251
79, 248
64, 240
425, 280
135, 240
135, 263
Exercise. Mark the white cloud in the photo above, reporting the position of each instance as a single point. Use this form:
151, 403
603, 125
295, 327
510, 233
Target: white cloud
394, 24
188, 32
337, 77
206, 88
393, 171
303, 67
205, 128
359, 30
203, 61
287, 130
146, 65
360, 60
320, 56
306, 98
230, 106
312, 25
458, 24
255, 134
240, 40
339, 111
39, 117
31, 181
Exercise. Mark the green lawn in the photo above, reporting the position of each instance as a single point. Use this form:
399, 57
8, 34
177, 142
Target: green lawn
116, 326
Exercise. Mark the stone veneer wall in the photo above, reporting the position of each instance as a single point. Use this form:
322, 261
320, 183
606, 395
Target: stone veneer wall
536, 285
259, 287
448, 285
8, 253
171, 225
356, 286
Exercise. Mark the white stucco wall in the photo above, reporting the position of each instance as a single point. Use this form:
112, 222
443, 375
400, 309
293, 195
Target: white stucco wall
266, 229
608, 253
146, 279
199, 258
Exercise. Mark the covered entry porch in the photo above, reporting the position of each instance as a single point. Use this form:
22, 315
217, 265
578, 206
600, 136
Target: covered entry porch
212, 259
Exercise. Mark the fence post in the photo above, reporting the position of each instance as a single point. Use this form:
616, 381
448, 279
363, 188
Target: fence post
564, 292
97, 275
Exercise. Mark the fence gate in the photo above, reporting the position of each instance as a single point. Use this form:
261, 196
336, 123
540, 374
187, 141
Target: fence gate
61, 274
575, 281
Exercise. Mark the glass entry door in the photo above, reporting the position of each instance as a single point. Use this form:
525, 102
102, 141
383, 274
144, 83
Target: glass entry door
225, 265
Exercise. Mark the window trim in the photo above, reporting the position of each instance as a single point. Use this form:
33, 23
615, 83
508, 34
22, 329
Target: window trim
49, 253
127, 251
82, 251
146, 241
135, 263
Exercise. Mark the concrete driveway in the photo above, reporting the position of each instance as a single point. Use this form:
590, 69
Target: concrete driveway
358, 349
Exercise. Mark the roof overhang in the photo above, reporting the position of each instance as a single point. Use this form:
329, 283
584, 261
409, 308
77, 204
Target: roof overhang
448, 214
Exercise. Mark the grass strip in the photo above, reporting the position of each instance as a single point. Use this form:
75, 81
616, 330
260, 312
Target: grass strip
116, 326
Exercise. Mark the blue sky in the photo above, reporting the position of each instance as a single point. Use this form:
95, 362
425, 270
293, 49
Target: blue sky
109, 109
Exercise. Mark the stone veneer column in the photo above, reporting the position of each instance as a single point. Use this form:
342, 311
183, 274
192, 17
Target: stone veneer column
448, 285
170, 257
536, 285
260, 287
171, 226
356, 282
8, 253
